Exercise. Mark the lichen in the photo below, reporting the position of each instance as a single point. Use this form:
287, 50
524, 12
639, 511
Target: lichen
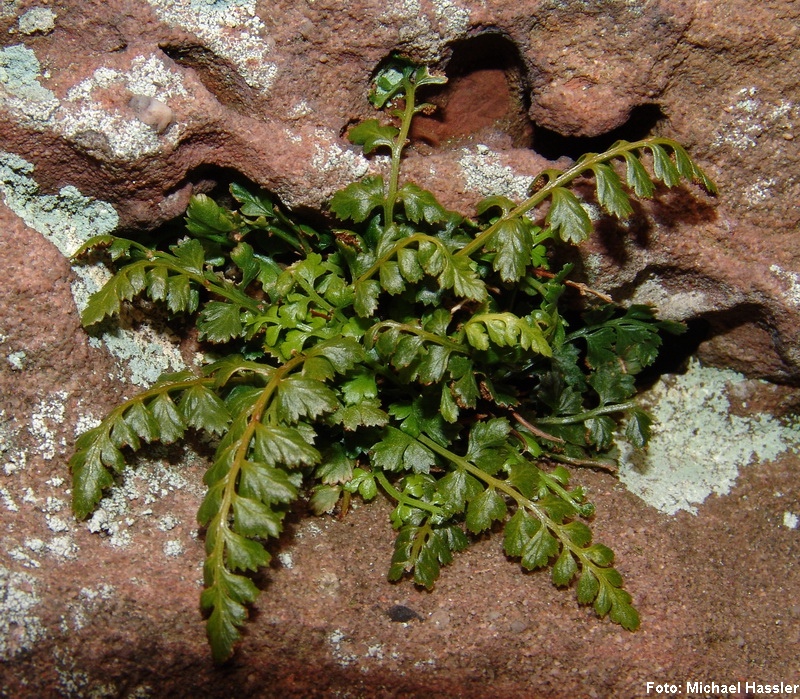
698, 445
484, 173
20, 628
81, 117
37, 20
20, 91
229, 28
67, 220
750, 115
417, 32
127, 503
45, 416
121, 132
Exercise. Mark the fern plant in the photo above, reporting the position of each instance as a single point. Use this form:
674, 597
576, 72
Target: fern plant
411, 351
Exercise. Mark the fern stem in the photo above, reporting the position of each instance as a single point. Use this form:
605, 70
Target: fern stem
554, 182
514, 494
399, 245
403, 498
397, 153
254, 419
419, 332
588, 415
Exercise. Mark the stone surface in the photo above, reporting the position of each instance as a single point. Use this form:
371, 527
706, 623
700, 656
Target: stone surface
113, 113
264, 93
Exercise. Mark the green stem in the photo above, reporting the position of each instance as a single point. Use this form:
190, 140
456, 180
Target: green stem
399, 245
397, 152
588, 415
514, 494
227, 292
403, 498
232, 477
561, 180
372, 333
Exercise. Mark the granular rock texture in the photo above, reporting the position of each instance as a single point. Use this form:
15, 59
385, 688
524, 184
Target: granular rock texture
112, 114
139, 104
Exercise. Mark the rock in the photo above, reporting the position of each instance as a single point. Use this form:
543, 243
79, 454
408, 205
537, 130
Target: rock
112, 114
140, 104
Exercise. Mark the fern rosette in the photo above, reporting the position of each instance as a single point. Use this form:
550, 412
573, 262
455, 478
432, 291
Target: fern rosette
417, 353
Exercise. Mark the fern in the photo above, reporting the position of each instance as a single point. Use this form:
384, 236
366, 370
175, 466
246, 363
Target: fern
416, 352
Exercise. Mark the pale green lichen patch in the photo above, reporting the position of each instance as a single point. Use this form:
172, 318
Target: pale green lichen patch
698, 445
37, 20
129, 502
229, 28
20, 627
43, 424
67, 220
107, 132
418, 32
20, 90
484, 173
120, 132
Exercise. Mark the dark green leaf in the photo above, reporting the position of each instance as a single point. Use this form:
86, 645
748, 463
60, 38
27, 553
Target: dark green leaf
190, 254
663, 167
637, 429
89, 474
203, 410
399, 451
390, 278
409, 265
180, 294
457, 488
518, 532
601, 431
226, 614
219, 322
496, 201
564, 569
483, 509
567, 218
371, 134
420, 204
610, 193
171, 423
358, 200
324, 498
299, 396
265, 483
539, 550
207, 219
637, 176
142, 422
283, 446
253, 205
243, 553
512, 245
366, 298
588, 586
253, 518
